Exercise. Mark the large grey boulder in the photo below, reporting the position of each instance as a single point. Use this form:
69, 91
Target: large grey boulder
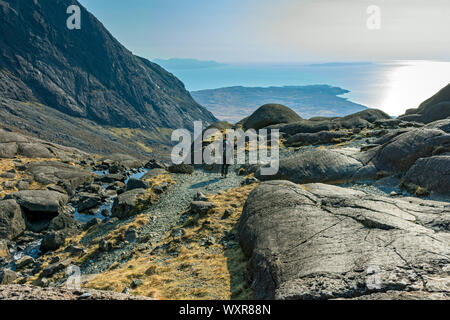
126, 204
136, 184
12, 220
443, 125
53, 172
431, 173
322, 137
400, 153
7, 276
8, 150
44, 201
270, 114
323, 242
321, 165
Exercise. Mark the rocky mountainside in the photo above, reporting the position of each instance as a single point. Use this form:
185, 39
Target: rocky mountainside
83, 73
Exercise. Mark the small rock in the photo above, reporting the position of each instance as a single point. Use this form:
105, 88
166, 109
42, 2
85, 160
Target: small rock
179, 232
7, 276
201, 207
24, 261
92, 222
200, 197
136, 283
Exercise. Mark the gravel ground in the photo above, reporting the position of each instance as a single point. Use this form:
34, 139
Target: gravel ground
166, 211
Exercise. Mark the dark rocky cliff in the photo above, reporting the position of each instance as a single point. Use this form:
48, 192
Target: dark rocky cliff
86, 73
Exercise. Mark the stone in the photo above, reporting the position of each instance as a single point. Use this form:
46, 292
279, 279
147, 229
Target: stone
270, 114
24, 261
400, 153
201, 207
154, 164
125, 204
136, 283
91, 223
136, 184
55, 268
181, 169
7, 276
432, 173
40, 200
12, 220
4, 251
53, 241
88, 201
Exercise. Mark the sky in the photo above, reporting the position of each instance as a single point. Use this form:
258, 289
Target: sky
279, 30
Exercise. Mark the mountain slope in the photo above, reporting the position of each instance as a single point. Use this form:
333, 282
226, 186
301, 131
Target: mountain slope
86, 73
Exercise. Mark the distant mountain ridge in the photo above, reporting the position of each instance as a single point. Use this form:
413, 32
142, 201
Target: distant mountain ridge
180, 64
234, 103
86, 73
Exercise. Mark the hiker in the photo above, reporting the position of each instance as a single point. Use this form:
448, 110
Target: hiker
225, 165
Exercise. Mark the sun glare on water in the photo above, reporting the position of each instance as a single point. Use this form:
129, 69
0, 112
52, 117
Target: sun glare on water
412, 82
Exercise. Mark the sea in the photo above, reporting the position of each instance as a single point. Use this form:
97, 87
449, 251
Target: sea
392, 86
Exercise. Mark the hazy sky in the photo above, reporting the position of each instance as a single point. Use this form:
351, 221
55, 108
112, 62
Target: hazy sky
278, 30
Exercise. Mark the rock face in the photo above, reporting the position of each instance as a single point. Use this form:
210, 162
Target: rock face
12, 220
324, 242
86, 73
270, 114
435, 108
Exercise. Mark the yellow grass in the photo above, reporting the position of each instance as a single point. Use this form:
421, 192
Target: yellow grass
192, 271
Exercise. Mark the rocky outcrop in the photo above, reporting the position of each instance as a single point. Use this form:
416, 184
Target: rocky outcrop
12, 220
325, 242
270, 114
435, 108
322, 137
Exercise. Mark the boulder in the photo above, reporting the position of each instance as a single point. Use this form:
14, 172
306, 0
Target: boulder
320, 165
12, 220
125, 204
326, 242
53, 241
7, 276
136, 184
432, 173
154, 164
88, 201
8, 150
322, 137
270, 114
55, 268
35, 150
435, 108
400, 153
53, 172
443, 125
182, 169
201, 207
4, 251
111, 178
24, 261
41, 200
